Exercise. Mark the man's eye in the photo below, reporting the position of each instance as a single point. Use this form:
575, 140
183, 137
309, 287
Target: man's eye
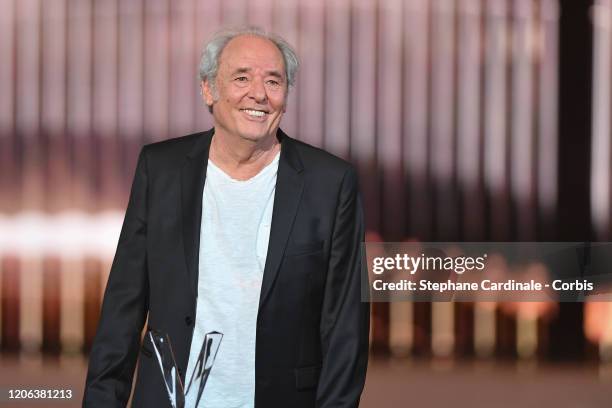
242, 79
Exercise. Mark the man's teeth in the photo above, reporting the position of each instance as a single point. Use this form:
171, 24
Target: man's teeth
254, 112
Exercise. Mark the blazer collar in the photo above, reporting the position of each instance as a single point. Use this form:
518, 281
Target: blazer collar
287, 196
289, 186
193, 174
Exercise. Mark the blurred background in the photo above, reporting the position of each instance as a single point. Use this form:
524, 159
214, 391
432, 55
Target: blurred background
473, 120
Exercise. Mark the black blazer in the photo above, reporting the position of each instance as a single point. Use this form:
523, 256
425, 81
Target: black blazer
312, 328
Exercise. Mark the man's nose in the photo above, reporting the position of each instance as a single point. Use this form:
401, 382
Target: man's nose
258, 91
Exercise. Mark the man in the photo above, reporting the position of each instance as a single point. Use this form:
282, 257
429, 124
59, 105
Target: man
244, 231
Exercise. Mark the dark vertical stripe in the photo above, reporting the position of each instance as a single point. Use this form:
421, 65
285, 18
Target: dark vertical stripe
574, 216
92, 288
51, 315
10, 269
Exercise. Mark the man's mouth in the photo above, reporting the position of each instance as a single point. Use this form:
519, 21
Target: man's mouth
254, 112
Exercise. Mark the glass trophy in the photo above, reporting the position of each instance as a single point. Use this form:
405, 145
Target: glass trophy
169, 370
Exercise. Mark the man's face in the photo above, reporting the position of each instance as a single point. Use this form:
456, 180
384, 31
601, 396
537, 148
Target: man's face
251, 88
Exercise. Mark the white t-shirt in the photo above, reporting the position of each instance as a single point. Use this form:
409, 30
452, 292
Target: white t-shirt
236, 219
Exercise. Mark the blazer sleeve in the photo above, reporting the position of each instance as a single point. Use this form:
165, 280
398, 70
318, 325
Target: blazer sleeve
116, 344
345, 318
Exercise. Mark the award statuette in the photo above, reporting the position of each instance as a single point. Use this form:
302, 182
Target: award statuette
169, 370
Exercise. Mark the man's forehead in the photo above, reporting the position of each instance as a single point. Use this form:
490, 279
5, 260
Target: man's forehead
245, 51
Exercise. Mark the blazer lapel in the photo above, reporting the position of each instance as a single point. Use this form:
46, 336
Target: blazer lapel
193, 175
289, 186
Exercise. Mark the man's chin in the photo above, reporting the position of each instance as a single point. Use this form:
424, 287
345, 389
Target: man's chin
256, 136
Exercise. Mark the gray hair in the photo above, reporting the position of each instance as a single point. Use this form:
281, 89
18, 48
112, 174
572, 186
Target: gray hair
209, 63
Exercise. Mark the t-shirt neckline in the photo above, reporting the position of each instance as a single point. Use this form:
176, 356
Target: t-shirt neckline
226, 176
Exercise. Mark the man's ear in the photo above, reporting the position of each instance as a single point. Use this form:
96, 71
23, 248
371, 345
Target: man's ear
207, 94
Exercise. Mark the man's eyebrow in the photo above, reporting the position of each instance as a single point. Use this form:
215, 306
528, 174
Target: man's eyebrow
241, 71
245, 70
276, 74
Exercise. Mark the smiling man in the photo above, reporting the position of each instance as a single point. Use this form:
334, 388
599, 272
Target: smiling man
245, 231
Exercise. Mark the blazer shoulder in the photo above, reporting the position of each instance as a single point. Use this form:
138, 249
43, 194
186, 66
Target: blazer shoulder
172, 151
318, 161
